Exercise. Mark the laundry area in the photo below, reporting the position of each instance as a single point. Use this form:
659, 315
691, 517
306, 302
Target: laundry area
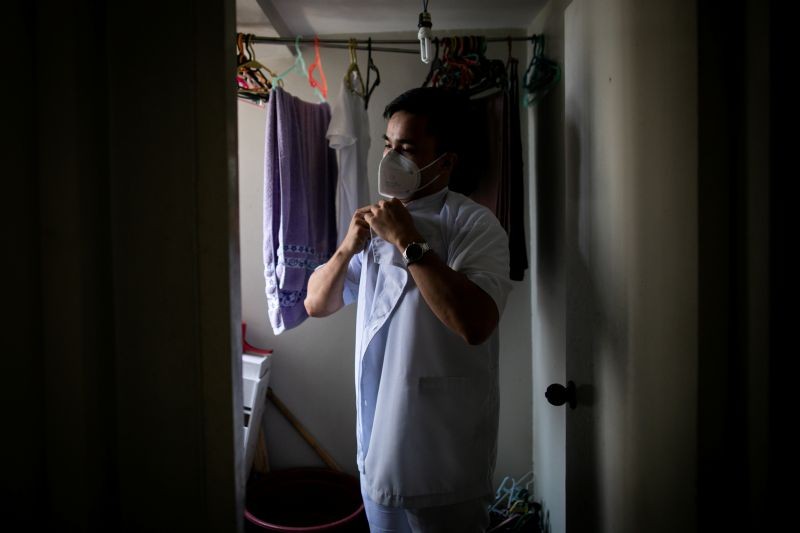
589, 159
348, 62
413, 265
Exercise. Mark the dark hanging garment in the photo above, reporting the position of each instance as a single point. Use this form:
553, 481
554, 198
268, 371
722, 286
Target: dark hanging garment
490, 167
512, 197
481, 166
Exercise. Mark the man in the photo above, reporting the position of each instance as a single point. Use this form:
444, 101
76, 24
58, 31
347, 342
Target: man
430, 272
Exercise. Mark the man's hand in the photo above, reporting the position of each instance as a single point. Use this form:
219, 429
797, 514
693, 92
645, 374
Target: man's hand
457, 302
326, 284
392, 222
357, 233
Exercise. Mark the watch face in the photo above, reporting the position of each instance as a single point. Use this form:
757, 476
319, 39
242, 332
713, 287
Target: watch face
413, 252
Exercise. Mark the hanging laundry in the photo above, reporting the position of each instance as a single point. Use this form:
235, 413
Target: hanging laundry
348, 134
299, 203
541, 75
490, 168
512, 195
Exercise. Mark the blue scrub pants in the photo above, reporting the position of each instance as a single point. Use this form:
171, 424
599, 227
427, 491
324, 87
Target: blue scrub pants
465, 517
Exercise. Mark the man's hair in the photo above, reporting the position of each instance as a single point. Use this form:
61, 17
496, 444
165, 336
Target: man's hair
445, 110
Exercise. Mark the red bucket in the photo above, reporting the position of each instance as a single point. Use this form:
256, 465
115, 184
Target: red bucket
305, 500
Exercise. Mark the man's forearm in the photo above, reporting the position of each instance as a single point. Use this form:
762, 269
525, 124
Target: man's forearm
325, 286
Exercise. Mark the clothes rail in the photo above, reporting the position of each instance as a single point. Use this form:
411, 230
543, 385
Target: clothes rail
363, 44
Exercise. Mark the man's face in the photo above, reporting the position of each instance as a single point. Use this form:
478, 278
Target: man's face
407, 134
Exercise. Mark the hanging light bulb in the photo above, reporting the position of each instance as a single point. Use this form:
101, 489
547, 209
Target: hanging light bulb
424, 34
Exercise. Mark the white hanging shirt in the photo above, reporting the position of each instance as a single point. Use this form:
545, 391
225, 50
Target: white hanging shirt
348, 134
427, 402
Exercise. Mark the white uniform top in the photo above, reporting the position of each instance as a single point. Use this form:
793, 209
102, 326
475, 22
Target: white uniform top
427, 402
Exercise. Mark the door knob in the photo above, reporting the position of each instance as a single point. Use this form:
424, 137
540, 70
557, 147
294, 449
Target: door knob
558, 394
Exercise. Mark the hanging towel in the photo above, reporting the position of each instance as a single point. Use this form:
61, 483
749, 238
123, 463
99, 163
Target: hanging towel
299, 203
348, 134
490, 168
512, 198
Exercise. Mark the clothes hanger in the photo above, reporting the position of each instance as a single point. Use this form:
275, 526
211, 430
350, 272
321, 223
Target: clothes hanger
443, 77
371, 67
252, 83
461, 62
512, 65
240, 56
465, 74
241, 80
353, 74
472, 51
252, 62
541, 75
495, 77
298, 66
353, 71
248, 63
322, 85
460, 65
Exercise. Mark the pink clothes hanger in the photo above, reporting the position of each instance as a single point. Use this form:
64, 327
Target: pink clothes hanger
318, 64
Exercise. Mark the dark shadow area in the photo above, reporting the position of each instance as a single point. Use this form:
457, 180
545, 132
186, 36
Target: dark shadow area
549, 184
782, 463
735, 166
585, 395
582, 314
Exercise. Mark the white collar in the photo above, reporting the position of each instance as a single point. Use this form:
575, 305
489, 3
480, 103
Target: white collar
432, 201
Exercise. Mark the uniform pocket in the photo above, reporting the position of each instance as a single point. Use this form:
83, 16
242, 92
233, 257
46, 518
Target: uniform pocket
443, 384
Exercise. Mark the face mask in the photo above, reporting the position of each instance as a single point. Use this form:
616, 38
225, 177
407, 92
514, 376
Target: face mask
399, 177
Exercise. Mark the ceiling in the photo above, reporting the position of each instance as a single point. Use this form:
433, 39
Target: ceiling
336, 17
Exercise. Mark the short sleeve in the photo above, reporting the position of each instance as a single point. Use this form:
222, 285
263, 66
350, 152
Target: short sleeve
480, 251
352, 279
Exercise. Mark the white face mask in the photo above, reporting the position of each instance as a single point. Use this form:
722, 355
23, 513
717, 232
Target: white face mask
399, 177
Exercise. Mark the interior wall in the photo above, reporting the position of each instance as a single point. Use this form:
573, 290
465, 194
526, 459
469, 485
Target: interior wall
313, 367
635, 212
662, 353
622, 231
546, 230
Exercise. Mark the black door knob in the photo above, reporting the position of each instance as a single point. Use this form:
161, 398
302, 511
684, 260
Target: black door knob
558, 394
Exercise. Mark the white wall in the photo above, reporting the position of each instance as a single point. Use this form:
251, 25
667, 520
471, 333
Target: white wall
615, 302
313, 364
546, 194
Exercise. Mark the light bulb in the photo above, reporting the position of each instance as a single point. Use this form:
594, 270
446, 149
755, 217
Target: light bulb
424, 36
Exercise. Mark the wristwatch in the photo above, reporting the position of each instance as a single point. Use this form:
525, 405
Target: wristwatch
415, 251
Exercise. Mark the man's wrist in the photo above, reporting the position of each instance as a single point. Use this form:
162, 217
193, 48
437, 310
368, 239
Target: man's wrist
344, 254
415, 252
404, 240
